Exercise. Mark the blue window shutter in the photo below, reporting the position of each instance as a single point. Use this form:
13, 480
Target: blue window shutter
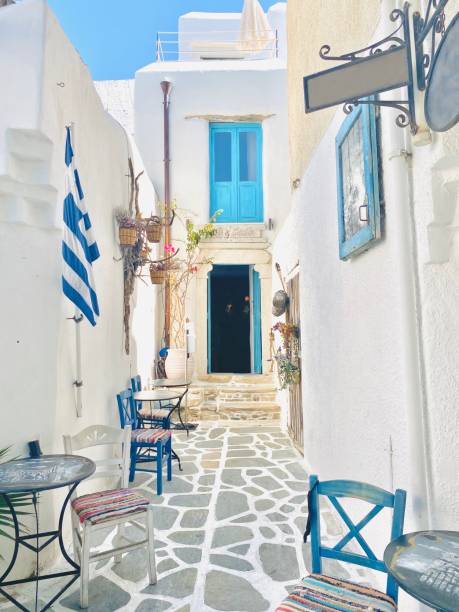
236, 175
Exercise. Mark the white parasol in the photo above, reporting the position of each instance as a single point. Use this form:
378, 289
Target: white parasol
256, 33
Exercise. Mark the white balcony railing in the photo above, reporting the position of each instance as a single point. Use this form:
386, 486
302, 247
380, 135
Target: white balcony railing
216, 45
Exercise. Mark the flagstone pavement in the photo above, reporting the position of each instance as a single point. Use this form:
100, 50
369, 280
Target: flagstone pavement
229, 529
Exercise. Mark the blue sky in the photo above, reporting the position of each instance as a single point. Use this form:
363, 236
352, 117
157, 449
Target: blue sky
116, 37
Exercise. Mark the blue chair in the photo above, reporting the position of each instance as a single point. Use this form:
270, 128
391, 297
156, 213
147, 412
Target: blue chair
145, 441
318, 591
157, 418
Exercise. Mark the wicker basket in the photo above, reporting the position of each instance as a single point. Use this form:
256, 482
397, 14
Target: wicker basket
157, 276
128, 236
154, 232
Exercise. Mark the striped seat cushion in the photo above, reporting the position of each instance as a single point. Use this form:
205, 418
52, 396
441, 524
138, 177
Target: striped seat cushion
159, 414
106, 505
150, 436
318, 593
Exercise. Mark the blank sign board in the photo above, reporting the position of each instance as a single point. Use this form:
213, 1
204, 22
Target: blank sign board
357, 79
442, 96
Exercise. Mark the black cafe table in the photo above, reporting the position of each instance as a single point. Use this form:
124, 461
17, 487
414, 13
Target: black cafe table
173, 400
425, 564
174, 383
35, 476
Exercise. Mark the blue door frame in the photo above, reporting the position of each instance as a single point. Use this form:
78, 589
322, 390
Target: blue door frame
255, 300
236, 176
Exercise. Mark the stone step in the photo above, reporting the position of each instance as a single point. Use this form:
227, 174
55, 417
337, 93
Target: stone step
31, 204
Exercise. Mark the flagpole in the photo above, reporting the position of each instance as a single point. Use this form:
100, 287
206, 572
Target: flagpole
77, 318
78, 382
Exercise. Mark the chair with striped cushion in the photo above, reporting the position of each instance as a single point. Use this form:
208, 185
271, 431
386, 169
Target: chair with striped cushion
318, 592
147, 445
156, 417
109, 508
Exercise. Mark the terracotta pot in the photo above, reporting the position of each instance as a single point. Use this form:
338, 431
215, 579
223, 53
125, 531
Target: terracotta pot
128, 236
177, 365
154, 231
157, 276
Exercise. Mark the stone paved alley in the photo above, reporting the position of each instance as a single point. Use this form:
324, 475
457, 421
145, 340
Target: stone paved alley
229, 529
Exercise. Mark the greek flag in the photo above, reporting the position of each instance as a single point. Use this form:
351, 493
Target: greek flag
79, 248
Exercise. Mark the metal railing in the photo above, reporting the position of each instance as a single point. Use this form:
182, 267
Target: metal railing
215, 45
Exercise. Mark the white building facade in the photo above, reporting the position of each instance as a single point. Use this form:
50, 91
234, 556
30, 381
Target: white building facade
228, 150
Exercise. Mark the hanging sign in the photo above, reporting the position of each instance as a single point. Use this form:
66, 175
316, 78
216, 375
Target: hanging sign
442, 95
357, 79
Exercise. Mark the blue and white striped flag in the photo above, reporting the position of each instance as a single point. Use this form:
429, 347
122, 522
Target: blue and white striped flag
79, 249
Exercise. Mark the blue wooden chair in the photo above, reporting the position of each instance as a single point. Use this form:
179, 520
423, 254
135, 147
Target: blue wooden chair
318, 591
147, 445
155, 418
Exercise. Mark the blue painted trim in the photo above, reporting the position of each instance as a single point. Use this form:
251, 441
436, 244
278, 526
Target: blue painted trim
209, 325
256, 321
371, 232
334, 489
233, 187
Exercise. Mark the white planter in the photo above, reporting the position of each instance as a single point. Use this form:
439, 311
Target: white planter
175, 364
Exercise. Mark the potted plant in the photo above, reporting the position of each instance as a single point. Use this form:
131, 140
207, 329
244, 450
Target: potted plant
128, 229
158, 272
153, 229
287, 356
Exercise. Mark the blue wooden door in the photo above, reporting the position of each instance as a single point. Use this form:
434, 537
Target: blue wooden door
209, 326
236, 181
256, 322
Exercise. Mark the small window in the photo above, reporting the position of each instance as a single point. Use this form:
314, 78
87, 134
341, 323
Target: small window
236, 172
358, 182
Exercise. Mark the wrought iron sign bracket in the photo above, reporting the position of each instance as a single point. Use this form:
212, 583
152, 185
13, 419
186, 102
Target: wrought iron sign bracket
433, 23
380, 67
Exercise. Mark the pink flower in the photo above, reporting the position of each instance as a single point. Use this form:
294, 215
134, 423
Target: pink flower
170, 250
193, 269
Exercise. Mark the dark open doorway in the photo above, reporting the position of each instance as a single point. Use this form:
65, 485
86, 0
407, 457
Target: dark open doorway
230, 319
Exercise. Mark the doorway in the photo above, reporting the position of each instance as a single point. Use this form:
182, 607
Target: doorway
234, 320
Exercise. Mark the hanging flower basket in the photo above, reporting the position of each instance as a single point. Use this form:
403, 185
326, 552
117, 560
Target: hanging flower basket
154, 231
157, 276
128, 236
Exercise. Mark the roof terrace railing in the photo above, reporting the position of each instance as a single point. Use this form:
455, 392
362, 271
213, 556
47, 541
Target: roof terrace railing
215, 45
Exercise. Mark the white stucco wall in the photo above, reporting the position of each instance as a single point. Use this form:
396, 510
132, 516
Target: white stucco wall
380, 332
38, 352
222, 89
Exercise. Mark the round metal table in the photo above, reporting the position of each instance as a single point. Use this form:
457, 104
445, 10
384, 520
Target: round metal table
34, 476
426, 565
170, 382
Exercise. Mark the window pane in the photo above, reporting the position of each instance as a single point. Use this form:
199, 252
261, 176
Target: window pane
355, 197
222, 157
248, 156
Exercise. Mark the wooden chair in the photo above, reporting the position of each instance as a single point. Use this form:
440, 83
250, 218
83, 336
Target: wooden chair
145, 441
109, 508
159, 417
318, 591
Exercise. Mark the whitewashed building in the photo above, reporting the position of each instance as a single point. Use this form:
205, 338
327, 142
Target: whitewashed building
228, 151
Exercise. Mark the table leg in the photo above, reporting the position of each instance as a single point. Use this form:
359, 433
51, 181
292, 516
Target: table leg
74, 573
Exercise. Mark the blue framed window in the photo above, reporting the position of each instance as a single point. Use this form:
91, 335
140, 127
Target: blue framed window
357, 171
236, 172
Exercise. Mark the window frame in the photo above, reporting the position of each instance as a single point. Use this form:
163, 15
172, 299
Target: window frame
371, 233
235, 128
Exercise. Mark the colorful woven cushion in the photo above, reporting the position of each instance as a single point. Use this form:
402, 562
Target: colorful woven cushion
150, 436
159, 414
321, 593
106, 505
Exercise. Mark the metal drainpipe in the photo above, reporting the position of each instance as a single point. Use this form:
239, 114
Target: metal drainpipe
398, 181
166, 87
